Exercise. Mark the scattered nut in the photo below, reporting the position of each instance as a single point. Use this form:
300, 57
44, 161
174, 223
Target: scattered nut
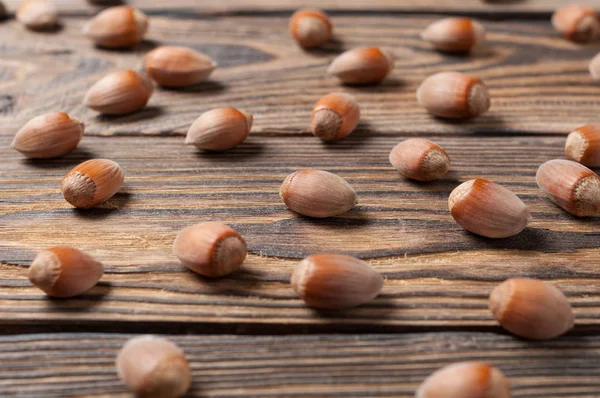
310, 28
317, 193
119, 93
211, 249
577, 22
335, 281
594, 67
570, 185
117, 27
63, 271
48, 136
583, 145
37, 14
174, 66
420, 159
92, 182
488, 209
335, 116
465, 379
455, 35
454, 95
153, 367
365, 65
219, 129
531, 309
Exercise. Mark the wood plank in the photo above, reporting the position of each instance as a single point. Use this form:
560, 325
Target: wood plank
51, 365
539, 82
437, 275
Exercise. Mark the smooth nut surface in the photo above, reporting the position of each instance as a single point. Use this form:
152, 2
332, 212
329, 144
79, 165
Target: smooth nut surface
571, 186
310, 28
465, 380
210, 248
455, 35
583, 145
92, 182
531, 309
576, 22
420, 159
117, 27
63, 271
37, 14
365, 65
219, 129
335, 116
119, 93
317, 193
175, 66
454, 95
48, 136
153, 367
488, 209
335, 281
594, 67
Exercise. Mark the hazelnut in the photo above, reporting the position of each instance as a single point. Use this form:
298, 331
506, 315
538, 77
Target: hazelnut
219, 129
583, 145
531, 309
92, 182
594, 67
63, 271
174, 66
454, 95
365, 65
211, 249
37, 14
117, 27
335, 281
420, 159
310, 28
335, 116
153, 367
48, 136
317, 193
455, 35
119, 93
576, 22
571, 186
488, 209
465, 379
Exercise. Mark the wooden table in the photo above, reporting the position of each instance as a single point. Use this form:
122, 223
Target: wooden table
248, 335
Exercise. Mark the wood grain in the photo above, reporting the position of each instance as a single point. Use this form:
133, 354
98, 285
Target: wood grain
64, 365
538, 81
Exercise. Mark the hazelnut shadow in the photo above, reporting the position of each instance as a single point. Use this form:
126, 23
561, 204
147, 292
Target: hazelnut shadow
359, 137
207, 87
146, 113
142, 47
389, 85
73, 158
88, 300
113, 205
334, 46
247, 150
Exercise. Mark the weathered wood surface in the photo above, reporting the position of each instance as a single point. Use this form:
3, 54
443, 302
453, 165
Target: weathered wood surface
66, 365
538, 81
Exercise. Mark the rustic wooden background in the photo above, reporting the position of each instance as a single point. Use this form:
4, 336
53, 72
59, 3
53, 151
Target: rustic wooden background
248, 335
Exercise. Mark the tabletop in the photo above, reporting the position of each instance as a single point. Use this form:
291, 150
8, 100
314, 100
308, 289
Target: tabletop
248, 335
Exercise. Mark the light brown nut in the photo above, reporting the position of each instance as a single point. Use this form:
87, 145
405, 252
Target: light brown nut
153, 367
310, 28
465, 380
335, 116
531, 309
211, 249
119, 93
594, 67
48, 136
175, 66
364, 65
488, 209
576, 22
117, 27
37, 14
454, 95
571, 186
219, 129
317, 193
92, 182
63, 271
583, 145
420, 159
335, 281
455, 35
